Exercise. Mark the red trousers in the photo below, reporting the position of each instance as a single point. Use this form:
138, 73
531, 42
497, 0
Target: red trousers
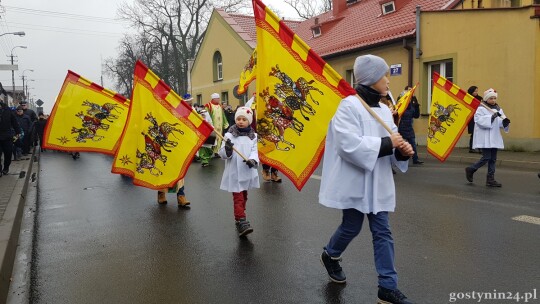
239, 199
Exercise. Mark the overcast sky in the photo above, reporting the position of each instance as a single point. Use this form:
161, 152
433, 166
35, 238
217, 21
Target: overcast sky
63, 35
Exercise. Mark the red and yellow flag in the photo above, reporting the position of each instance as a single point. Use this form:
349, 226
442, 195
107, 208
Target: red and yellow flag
404, 101
451, 109
86, 117
248, 74
297, 96
162, 134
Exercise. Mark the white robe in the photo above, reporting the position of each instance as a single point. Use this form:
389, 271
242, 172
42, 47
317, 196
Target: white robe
487, 134
352, 174
237, 176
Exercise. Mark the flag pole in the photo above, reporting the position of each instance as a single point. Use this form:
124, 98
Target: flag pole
491, 110
377, 118
239, 153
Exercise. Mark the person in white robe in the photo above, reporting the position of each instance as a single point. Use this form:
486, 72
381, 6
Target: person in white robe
240, 175
487, 136
357, 175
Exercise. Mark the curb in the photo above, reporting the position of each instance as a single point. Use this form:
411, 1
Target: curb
10, 228
506, 163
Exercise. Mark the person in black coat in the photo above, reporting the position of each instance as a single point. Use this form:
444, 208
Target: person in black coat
473, 90
9, 127
40, 129
405, 127
26, 125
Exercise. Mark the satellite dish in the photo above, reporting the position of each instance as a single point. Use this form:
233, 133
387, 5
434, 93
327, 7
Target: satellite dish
235, 93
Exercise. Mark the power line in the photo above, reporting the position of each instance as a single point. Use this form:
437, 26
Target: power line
63, 15
66, 30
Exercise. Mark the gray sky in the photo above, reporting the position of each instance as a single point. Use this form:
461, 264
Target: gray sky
63, 35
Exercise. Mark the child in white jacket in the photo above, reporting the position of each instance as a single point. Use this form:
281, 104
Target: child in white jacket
240, 175
487, 136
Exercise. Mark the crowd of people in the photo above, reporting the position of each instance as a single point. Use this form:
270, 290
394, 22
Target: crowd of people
20, 130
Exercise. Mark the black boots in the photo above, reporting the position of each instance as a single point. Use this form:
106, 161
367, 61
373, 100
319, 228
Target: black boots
491, 182
469, 174
333, 268
391, 296
243, 227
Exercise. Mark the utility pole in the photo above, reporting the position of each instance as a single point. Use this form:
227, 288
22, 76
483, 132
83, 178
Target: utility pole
13, 71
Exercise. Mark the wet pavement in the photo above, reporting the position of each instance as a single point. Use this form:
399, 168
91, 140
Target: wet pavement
99, 239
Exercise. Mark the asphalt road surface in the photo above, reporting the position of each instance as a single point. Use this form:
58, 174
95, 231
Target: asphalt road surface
99, 239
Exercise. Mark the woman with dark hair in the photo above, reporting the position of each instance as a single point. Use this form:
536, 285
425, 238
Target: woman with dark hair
9, 127
473, 90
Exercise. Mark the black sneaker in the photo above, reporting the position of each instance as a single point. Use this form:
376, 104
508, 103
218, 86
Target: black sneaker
243, 227
418, 162
389, 296
469, 174
5, 171
333, 268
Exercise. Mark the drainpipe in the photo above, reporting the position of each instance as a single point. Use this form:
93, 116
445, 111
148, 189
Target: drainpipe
410, 61
418, 50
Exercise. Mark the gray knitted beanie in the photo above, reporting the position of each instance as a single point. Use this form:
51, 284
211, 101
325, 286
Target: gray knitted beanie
368, 69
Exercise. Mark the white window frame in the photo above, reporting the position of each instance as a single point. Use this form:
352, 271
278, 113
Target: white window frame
387, 4
316, 31
442, 72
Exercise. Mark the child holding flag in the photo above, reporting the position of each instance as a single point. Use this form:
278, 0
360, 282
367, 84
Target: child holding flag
240, 175
487, 136
357, 175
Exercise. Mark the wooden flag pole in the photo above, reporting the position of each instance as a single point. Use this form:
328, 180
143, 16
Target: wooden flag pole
223, 138
377, 118
491, 110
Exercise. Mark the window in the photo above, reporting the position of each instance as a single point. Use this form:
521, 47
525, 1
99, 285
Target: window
388, 8
225, 97
199, 99
218, 66
445, 69
349, 77
506, 3
316, 31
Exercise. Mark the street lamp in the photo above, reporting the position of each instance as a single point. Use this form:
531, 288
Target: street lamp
13, 71
23, 81
14, 33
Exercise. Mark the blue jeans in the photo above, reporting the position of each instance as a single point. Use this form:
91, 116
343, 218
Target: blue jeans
383, 243
489, 156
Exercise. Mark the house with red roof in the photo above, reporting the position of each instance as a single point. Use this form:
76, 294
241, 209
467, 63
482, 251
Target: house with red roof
463, 40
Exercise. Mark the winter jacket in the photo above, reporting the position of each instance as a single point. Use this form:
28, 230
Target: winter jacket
24, 122
8, 124
406, 123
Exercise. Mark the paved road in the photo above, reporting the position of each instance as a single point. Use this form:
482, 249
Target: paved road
102, 240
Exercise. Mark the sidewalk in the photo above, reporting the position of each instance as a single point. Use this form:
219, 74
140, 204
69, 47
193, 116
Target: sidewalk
13, 191
505, 158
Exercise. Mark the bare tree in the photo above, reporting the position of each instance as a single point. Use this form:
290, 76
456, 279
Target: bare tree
176, 28
307, 9
130, 50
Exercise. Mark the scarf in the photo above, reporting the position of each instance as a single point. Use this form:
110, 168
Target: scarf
236, 131
370, 96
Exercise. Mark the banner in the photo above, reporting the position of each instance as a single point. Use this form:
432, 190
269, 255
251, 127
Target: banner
403, 101
451, 110
162, 134
297, 96
85, 118
248, 73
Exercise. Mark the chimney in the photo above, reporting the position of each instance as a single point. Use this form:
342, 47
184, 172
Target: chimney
338, 6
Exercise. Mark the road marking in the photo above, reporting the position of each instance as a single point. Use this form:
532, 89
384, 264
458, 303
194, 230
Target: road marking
527, 219
316, 176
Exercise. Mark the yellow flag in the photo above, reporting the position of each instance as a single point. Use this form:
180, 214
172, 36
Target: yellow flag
297, 96
85, 117
162, 134
451, 109
404, 101
248, 73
